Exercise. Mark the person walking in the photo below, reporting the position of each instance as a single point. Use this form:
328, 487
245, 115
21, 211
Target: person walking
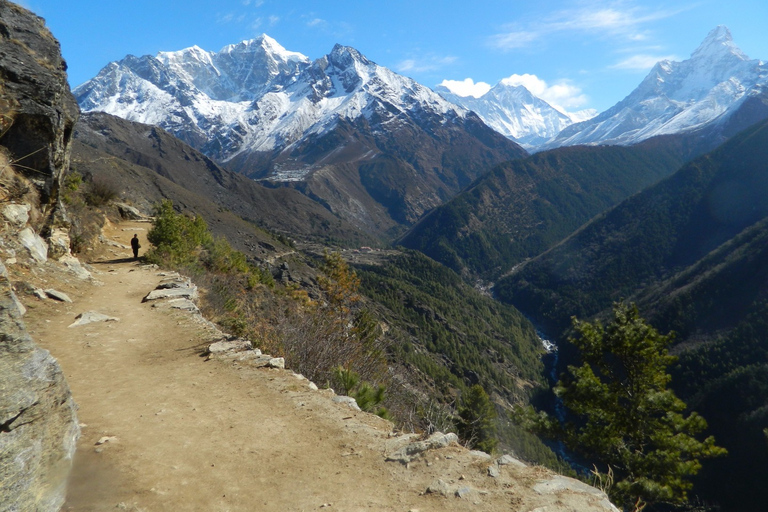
135, 246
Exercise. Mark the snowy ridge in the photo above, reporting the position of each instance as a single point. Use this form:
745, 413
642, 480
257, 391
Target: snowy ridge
677, 97
515, 112
256, 95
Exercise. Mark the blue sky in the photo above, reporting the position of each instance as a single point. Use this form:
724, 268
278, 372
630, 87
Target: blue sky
575, 53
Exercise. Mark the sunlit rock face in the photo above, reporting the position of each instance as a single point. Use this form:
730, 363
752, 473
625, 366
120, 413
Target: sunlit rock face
38, 426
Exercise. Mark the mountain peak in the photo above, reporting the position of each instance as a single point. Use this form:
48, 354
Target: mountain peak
264, 44
344, 56
718, 43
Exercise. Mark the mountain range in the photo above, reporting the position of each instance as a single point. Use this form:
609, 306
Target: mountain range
376, 148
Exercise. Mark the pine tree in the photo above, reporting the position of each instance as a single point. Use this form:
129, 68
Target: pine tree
622, 416
477, 417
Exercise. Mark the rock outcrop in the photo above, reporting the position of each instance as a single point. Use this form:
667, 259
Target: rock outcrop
38, 424
37, 109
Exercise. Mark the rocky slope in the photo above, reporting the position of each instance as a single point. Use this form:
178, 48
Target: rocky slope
146, 164
374, 147
38, 426
705, 91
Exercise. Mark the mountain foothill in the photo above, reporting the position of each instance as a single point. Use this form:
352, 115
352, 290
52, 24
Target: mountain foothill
660, 200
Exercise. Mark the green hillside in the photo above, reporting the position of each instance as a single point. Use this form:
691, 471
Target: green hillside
649, 237
523, 207
692, 251
452, 332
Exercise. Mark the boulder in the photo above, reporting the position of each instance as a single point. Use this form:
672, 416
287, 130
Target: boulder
17, 214
128, 212
36, 246
561, 485
58, 244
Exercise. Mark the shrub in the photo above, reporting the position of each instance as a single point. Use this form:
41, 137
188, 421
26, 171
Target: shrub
101, 190
176, 238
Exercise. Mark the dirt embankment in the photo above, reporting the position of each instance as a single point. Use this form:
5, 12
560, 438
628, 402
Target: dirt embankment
163, 429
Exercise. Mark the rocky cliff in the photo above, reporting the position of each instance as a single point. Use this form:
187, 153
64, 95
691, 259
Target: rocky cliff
38, 426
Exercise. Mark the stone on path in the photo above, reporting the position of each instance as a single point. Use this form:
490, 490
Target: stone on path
408, 452
182, 304
438, 487
172, 293
236, 345
57, 295
90, 317
508, 460
348, 400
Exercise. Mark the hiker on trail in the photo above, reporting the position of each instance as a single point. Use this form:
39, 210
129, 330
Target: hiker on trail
135, 246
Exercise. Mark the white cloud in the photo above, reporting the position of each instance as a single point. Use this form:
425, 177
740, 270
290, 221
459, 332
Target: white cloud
641, 62
562, 95
317, 22
273, 20
466, 87
621, 20
230, 18
422, 64
514, 39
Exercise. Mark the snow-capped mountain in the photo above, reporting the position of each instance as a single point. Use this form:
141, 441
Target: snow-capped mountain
677, 97
201, 97
274, 114
515, 112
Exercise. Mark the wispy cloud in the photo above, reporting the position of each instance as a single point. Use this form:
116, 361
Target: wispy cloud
337, 29
641, 62
466, 87
317, 22
562, 95
619, 19
230, 17
424, 63
273, 20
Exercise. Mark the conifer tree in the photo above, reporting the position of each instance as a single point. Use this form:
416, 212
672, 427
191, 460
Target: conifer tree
623, 417
477, 417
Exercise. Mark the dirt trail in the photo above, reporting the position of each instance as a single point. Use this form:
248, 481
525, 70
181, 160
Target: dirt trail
186, 434
196, 435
